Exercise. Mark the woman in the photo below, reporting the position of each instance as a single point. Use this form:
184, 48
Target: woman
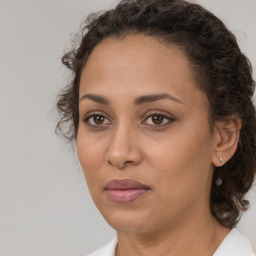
160, 108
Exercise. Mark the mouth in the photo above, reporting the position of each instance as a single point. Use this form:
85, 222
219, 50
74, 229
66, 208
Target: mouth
125, 191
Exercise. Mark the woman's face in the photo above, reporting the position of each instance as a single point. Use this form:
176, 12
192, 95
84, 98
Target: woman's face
144, 141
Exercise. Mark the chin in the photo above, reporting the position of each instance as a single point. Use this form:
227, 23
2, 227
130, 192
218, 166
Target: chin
129, 226
136, 223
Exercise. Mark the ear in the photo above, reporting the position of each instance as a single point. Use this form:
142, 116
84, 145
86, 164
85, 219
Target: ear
226, 137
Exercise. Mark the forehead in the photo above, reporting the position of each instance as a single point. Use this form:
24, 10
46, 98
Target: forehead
135, 53
137, 63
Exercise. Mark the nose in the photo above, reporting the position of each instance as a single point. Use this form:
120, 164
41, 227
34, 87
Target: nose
123, 150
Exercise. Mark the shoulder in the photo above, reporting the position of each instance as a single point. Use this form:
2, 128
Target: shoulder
235, 244
106, 250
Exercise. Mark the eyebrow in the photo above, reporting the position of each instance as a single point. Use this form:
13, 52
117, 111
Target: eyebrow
96, 98
154, 97
138, 101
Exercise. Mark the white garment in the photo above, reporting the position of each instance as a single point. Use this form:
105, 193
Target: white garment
234, 244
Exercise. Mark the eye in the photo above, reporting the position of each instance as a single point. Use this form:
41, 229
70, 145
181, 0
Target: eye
96, 120
158, 119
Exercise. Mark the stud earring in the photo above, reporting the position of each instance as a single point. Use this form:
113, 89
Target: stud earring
221, 160
218, 181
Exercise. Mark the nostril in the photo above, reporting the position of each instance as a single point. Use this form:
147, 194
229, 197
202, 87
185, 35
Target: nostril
128, 162
122, 165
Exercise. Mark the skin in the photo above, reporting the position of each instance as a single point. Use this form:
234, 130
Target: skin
175, 158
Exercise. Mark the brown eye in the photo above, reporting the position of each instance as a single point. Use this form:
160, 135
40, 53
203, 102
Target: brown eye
96, 120
157, 119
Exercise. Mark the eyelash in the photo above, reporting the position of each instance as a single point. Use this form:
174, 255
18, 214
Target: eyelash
168, 119
155, 113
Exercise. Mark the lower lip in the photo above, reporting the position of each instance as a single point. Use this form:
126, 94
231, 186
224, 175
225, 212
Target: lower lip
125, 196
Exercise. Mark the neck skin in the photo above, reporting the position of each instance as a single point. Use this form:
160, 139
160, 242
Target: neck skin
196, 234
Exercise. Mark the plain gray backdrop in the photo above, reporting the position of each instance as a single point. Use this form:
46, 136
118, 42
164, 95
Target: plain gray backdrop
45, 206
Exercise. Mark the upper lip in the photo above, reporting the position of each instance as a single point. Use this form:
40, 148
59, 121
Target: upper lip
125, 184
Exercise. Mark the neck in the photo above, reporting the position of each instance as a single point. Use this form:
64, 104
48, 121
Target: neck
194, 236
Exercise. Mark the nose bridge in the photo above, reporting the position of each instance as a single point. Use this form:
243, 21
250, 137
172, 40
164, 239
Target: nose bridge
122, 145
121, 137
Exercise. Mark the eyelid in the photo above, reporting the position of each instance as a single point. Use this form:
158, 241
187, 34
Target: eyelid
93, 113
96, 112
167, 116
159, 112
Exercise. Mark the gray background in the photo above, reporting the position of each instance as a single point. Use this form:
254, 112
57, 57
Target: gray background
45, 206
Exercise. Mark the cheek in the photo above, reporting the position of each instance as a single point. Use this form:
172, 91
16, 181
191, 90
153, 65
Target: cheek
90, 155
183, 160
181, 149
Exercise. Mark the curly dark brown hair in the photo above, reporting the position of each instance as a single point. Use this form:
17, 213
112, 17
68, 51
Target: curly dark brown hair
222, 72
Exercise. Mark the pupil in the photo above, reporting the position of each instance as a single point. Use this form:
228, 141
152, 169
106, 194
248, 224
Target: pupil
157, 119
98, 119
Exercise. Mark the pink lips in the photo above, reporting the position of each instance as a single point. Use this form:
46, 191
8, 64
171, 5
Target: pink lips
125, 191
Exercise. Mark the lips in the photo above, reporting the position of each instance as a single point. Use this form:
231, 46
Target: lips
125, 191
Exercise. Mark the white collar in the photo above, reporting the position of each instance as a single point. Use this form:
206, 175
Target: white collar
107, 249
234, 244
